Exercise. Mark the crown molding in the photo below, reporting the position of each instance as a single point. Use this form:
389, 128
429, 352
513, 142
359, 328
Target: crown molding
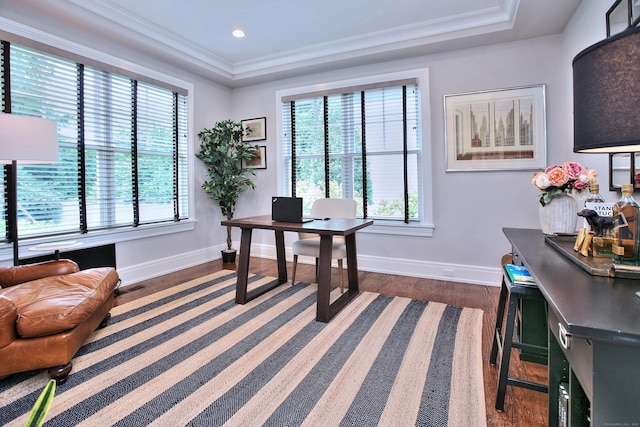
485, 21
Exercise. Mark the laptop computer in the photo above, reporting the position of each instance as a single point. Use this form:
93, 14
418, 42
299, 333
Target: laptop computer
287, 209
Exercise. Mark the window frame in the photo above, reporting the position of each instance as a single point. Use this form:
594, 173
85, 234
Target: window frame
17, 33
422, 228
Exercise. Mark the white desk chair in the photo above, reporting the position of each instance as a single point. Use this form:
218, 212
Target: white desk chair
309, 244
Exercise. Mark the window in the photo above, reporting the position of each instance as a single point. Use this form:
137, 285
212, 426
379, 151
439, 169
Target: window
122, 145
362, 143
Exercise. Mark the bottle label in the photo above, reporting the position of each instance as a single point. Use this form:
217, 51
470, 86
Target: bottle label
620, 222
602, 209
624, 243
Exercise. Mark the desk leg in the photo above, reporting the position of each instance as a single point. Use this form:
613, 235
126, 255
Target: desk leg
242, 295
281, 257
324, 279
243, 266
352, 262
326, 311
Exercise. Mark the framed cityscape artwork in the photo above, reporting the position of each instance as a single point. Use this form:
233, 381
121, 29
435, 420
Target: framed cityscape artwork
502, 129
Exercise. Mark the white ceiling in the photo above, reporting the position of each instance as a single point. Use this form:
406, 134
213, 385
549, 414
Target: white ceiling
288, 37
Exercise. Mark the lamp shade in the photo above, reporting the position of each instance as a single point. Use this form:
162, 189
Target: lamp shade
606, 89
27, 139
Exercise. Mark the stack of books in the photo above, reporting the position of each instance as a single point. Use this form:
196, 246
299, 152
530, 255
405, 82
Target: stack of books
519, 275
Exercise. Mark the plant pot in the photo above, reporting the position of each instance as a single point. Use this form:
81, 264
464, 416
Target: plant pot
559, 216
228, 255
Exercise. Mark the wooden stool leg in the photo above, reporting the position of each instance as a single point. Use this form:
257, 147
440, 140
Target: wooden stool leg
497, 338
507, 339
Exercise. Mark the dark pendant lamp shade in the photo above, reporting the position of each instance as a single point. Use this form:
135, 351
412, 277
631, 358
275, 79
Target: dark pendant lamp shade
606, 95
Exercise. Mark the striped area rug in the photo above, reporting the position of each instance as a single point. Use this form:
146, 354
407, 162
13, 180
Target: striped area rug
190, 356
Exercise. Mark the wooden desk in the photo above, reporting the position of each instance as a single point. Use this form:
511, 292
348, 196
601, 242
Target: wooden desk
326, 229
598, 354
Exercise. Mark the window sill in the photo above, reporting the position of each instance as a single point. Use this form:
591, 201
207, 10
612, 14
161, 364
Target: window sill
399, 229
98, 238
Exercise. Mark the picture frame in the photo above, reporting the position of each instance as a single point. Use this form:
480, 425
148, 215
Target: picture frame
624, 168
619, 17
254, 129
494, 130
259, 162
635, 12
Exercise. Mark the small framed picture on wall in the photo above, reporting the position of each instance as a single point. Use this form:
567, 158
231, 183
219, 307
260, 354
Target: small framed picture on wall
254, 129
259, 162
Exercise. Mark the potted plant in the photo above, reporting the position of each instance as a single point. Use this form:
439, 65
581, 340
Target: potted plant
226, 157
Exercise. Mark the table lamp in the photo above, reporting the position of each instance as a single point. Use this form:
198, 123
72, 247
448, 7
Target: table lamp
26, 140
606, 84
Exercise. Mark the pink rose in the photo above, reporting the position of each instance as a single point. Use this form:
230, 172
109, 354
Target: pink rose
557, 177
579, 185
572, 169
550, 168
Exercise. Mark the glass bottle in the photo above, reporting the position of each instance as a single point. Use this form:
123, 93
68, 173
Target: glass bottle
602, 237
594, 195
625, 228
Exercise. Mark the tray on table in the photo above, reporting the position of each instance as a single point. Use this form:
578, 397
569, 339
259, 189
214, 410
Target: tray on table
593, 265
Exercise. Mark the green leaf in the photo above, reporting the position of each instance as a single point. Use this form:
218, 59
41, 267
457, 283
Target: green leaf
549, 194
42, 405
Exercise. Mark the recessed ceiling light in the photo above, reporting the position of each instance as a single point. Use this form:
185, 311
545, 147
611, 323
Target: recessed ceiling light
238, 33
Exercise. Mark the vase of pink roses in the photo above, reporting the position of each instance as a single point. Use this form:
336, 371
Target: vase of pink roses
560, 186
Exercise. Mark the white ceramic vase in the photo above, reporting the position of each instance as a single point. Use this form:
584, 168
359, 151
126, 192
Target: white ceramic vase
559, 215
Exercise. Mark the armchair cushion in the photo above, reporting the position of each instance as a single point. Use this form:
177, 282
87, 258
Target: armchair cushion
55, 304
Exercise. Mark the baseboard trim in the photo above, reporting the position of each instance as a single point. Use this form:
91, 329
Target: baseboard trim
471, 274
139, 272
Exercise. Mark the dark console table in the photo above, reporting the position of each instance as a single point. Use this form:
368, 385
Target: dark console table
594, 340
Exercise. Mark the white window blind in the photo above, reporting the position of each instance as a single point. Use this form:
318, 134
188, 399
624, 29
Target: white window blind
48, 195
122, 142
363, 145
108, 131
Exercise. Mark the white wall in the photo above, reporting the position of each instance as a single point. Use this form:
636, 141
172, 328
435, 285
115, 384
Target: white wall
470, 208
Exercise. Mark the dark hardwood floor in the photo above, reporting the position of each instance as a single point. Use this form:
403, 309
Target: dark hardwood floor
522, 407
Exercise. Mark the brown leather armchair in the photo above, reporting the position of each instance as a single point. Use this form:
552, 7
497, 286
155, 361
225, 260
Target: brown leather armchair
47, 311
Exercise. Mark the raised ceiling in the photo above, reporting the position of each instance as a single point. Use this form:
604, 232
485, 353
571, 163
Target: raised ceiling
287, 37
